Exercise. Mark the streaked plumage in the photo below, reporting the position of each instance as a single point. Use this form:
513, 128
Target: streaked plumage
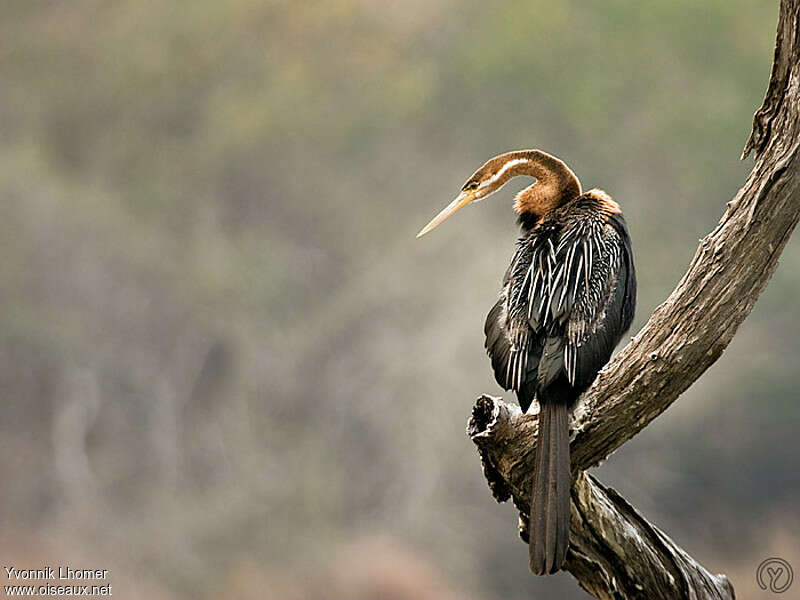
567, 298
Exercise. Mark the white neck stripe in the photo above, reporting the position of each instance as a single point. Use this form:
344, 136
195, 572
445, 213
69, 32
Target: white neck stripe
510, 164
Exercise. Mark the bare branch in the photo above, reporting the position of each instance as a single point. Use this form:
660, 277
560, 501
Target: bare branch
614, 552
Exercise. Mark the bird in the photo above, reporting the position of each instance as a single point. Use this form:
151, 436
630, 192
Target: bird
567, 298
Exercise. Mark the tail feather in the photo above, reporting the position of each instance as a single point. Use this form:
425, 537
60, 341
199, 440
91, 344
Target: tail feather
549, 524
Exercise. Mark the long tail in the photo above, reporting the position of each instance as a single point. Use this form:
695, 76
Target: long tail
549, 525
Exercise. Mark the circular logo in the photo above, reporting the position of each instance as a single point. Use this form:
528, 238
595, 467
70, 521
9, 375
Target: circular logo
774, 574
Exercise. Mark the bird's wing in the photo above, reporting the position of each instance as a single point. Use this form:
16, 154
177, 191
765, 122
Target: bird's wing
509, 340
579, 287
566, 300
603, 307
524, 329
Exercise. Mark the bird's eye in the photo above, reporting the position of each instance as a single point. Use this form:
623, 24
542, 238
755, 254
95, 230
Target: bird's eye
472, 185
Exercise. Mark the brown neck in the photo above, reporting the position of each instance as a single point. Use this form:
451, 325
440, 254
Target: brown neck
555, 183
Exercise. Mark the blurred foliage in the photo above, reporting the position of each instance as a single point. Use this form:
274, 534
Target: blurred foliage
226, 357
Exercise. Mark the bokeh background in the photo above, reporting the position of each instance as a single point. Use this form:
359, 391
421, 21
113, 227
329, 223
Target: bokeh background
227, 367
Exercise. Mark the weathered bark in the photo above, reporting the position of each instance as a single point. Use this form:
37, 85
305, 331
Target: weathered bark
614, 552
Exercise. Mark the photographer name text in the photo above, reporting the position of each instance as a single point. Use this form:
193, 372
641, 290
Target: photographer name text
80, 582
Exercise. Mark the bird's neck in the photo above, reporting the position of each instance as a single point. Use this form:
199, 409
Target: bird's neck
541, 198
555, 184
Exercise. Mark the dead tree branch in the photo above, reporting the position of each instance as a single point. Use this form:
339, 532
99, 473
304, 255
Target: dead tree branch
614, 551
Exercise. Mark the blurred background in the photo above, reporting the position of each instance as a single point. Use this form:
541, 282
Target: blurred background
228, 368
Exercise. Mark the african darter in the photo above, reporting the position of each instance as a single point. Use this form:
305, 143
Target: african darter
567, 298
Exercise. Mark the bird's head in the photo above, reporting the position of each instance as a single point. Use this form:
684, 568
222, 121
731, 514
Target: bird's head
553, 180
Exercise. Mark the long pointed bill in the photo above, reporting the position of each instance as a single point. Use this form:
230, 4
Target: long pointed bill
463, 199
